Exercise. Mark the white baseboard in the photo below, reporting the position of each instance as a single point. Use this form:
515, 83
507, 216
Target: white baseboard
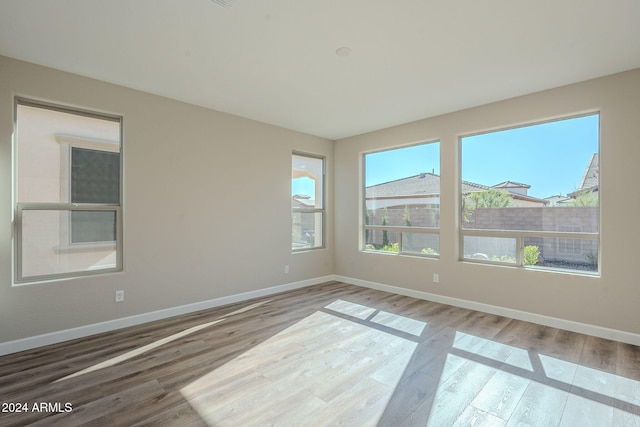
583, 328
110, 325
96, 328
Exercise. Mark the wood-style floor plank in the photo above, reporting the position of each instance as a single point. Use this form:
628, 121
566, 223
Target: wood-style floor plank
331, 354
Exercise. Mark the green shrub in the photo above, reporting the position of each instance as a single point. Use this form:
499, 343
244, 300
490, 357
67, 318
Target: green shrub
391, 248
531, 255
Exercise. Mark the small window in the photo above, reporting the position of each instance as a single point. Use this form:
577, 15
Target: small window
68, 192
530, 196
307, 201
402, 200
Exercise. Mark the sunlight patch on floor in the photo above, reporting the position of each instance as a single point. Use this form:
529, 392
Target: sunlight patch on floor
592, 380
358, 311
513, 356
324, 367
400, 323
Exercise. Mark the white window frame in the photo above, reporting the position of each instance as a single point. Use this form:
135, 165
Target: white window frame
401, 230
315, 210
520, 235
66, 142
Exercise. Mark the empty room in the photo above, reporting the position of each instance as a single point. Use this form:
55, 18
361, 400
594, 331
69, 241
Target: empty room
296, 213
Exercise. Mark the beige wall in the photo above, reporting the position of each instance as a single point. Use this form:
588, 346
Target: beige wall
206, 207
610, 301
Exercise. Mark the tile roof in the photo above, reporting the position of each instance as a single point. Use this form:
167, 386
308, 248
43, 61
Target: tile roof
511, 184
424, 184
418, 185
428, 184
590, 177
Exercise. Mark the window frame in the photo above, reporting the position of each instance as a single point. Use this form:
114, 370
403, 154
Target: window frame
401, 230
315, 210
520, 235
67, 142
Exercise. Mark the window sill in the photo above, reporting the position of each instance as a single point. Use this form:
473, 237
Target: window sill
85, 247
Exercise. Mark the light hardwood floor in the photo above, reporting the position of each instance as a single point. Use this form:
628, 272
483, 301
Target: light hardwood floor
331, 354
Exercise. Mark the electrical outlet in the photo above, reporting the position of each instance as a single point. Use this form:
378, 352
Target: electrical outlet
436, 278
286, 269
119, 296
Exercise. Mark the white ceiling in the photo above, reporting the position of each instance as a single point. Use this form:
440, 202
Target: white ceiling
275, 61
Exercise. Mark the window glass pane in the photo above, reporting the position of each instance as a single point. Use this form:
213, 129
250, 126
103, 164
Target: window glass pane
382, 240
307, 230
490, 248
420, 243
402, 186
66, 157
307, 201
45, 137
45, 250
543, 177
307, 174
93, 226
566, 254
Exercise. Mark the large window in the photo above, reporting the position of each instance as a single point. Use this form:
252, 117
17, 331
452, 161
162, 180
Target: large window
307, 201
402, 200
68, 192
530, 196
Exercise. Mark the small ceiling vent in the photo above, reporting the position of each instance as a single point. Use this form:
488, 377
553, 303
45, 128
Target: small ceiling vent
223, 3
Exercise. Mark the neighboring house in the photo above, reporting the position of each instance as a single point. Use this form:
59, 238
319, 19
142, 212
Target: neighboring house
590, 179
302, 201
424, 189
519, 194
303, 227
588, 184
558, 200
591, 174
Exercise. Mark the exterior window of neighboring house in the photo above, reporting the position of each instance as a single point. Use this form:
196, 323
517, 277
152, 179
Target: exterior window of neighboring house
402, 200
68, 192
530, 196
95, 178
307, 201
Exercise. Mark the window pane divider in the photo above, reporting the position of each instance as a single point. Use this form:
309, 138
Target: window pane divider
528, 233
308, 210
44, 206
402, 229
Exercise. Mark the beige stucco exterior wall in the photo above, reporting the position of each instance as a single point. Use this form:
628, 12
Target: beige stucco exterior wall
207, 207
43, 145
609, 301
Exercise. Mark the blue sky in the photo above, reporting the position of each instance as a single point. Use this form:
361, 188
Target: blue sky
390, 165
551, 157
